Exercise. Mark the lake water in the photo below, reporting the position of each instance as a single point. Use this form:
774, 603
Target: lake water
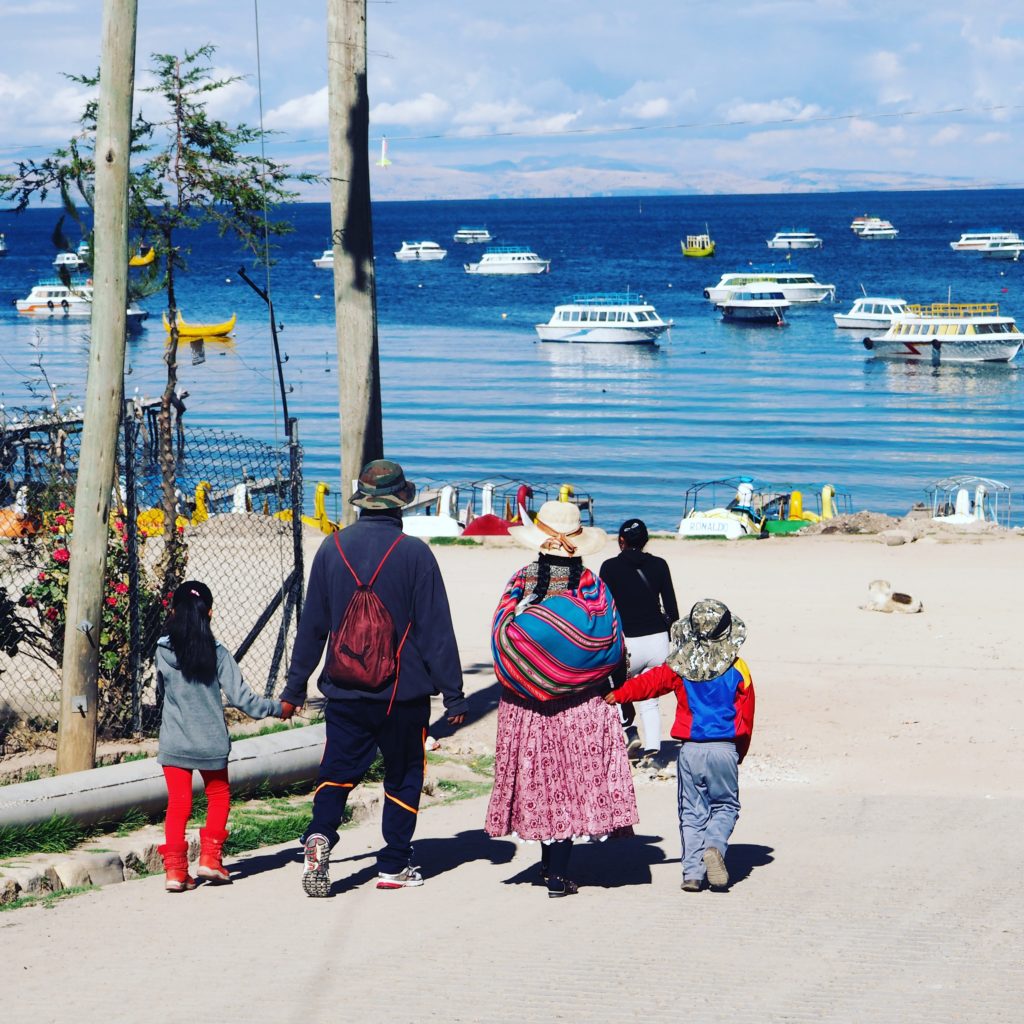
469, 391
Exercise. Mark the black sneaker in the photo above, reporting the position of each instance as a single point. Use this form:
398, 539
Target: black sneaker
316, 874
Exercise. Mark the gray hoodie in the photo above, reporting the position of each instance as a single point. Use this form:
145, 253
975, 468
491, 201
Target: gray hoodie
193, 733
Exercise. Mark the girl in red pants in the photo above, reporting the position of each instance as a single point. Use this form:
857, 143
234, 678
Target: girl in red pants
192, 670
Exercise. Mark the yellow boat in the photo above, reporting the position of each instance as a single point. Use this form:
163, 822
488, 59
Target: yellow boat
143, 257
699, 245
187, 330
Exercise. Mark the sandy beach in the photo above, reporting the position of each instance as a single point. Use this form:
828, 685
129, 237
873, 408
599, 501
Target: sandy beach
873, 862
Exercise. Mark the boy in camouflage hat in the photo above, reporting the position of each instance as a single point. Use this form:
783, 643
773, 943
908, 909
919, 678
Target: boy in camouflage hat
714, 722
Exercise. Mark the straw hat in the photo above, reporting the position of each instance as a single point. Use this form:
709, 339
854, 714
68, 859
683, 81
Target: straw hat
382, 484
707, 642
557, 531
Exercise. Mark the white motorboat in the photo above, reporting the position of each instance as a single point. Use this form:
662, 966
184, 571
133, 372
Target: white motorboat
509, 259
412, 251
876, 228
612, 319
473, 236
1002, 249
755, 307
794, 286
795, 239
69, 260
3, 244
871, 312
54, 298
979, 239
325, 261
949, 332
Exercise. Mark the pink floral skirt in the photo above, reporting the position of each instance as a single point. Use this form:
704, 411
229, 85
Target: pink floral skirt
560, 770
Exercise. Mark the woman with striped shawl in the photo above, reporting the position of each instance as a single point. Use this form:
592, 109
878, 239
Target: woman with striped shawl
561, 773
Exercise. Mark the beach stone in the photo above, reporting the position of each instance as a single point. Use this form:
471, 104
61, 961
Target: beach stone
9, 890
893, 538
36, 877
89, 869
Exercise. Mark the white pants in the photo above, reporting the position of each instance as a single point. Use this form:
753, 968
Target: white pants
648, 652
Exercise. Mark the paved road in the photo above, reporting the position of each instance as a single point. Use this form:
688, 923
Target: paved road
844, 909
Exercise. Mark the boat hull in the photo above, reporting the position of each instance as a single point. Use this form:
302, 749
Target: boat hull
865, 323
507, 270
419, 257
816, 244
753, 314
717, 523
602, 335
791, 293
936, 352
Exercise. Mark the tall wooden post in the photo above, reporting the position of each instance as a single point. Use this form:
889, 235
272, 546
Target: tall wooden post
76, 738
355, 289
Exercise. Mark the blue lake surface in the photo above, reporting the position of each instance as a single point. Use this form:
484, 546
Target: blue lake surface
469, 391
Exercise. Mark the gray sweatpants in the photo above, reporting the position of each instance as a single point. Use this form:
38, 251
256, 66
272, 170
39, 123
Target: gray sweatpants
709, 800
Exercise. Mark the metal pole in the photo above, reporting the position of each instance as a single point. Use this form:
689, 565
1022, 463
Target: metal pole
76, 737
355, 297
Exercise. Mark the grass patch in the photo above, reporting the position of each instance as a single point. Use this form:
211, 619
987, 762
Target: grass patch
47, 899
483, 765
56, 835
137, 755
443, 542
457, 789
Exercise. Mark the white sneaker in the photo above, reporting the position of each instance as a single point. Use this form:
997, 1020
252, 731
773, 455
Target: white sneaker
316, 875
405, 879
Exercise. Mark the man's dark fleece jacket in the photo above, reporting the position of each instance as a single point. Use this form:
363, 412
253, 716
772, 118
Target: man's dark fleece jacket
410, 587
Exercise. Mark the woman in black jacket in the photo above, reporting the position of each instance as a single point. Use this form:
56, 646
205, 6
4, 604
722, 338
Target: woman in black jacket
641, 585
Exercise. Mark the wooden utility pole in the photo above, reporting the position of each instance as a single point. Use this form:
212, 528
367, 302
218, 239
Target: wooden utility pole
76, 738
355, 288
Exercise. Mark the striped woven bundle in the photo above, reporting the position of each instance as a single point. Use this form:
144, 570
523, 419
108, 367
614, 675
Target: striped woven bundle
558, 646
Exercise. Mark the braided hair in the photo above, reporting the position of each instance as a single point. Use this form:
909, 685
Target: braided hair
189, 631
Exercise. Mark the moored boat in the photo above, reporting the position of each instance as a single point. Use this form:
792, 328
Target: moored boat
412, 251
189, 330
795, 239
870, 312
949, 332
508, 259
699, 246
875, 228
1002, 249
794, 285
616, 318
755, 307
69, 261
980, 238
53, 298
473, 236
325, 261
3, 244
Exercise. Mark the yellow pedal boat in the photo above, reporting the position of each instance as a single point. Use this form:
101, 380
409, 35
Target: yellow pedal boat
187, 330
143, 257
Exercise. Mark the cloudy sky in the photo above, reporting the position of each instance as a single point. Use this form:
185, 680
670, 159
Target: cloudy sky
584, 97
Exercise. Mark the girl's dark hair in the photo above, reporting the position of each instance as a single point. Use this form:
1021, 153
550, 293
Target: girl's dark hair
544, 563
633, 533
190, 634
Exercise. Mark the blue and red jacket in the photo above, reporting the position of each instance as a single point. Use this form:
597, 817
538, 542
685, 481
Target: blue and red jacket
714, 709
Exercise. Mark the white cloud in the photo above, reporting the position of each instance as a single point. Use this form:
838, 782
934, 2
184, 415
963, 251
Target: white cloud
944, 136
992, 138
506, 113
887, 71
649, 110
302, 112
427, 108
772, 110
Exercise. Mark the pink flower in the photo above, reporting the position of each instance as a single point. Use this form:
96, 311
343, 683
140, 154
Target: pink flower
119, 525
112, 601
41, 577
51, 614
62, 507
121, 588
61, 555
61, 520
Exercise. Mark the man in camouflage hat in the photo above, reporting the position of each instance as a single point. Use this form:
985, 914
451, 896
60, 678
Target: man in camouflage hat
714, 721
363, 715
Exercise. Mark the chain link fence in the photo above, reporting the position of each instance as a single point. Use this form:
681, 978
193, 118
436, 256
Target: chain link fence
237, 527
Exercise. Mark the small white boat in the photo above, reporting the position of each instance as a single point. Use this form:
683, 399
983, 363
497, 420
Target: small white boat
473, 236
69, 260
1002, 249
949, 332
795, 286
412, 251
871, 312
755, 307
53, 298
795, 239
325, 261
978, 239
508, 259
875, 228
3, 244
611, 319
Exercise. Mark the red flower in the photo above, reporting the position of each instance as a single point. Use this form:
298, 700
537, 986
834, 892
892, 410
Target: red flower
181, 529
51, 614
62, 507
119, 525
29, 602
61, 555
41, 577
61, 520
112, 601
121, 588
